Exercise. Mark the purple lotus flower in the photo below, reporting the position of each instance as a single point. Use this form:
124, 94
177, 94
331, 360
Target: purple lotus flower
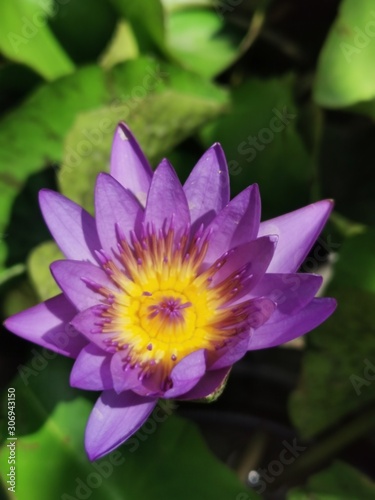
168, 286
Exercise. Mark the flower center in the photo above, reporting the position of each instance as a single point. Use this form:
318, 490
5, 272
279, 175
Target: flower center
165, 306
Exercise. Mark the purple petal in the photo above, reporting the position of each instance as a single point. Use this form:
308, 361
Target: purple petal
86, 322
70, 275
47, 324
236, 224
124, 377
129, 166
91, 370
253, 257
114, 418
114, 205
232, 353
73, 229
166, 199
207, 384
187, 373
207, 187
291, 327
297, 232
291, 292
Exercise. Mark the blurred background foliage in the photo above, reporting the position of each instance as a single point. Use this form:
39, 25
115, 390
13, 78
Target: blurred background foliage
288, 88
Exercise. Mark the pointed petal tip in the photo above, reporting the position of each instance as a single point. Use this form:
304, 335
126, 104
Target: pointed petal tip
124, 131
273, 238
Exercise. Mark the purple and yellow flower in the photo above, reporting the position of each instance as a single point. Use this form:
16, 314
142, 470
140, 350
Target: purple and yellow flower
169, 285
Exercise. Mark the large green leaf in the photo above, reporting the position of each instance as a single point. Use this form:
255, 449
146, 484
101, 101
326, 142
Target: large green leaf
160, 120
201, 40
338, 368
25, 37
159, 462
262, 145
346, 71
339, 481
31, 137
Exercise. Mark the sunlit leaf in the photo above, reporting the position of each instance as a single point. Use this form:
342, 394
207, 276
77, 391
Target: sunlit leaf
147, 20
201, 41
346, 73
159, 120
38, 268
25, 37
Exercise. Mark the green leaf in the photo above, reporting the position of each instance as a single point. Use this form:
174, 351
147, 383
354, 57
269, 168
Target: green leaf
340, 480
38, 268
51, 419
346, 73
356, 265
262, 145
202, 41
338, 369
32, 136
170, 5
149, 29
19, 298
121, 47
25, 37
83, 45
160, 120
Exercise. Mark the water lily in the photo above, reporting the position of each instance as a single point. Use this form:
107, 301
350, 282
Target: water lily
168, 286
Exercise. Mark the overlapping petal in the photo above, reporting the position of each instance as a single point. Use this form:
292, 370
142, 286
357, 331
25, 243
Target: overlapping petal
80, 282
115, 207
293, 326
47, 324
129, 166
207, 187
114, 418
297, 233
166, 200
91, 370
236, 224
187, 373
72, 228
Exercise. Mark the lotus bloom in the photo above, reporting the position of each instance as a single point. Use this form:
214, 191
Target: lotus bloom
168, 286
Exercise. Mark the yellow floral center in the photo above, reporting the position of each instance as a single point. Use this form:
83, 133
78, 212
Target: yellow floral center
165, 307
